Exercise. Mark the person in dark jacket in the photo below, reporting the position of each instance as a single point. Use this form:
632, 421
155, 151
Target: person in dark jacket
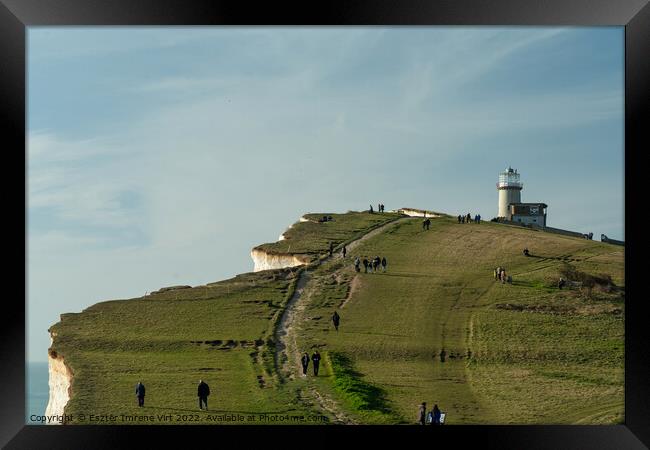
344, 251
336, 319
315, 358
331, 248
139, 392
443, 354
422, 413
458, 218
383, 263
357, 263
365, 264
436, 415
305, 363
203, 392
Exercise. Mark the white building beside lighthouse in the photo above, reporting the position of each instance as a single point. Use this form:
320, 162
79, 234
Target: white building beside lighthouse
510, 206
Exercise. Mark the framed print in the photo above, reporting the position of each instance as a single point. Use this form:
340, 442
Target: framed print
350, 217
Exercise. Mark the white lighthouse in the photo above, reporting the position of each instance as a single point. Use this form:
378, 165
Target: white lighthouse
509, 188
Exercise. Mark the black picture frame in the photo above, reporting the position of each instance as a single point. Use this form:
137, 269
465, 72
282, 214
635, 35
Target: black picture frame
16, 15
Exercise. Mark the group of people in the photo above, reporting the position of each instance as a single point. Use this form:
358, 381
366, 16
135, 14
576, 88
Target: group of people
426, 223
500, 275
325, 219
380, 208
468, 218
315, 359
434, 417
203, 392
370, 265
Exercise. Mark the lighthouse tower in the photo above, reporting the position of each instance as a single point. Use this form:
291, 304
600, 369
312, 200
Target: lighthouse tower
509, 188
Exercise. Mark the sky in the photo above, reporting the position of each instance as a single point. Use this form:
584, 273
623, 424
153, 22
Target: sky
160, 156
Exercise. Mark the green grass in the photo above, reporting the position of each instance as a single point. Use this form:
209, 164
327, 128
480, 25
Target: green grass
439, 293
522, 353
222, 332
314, 238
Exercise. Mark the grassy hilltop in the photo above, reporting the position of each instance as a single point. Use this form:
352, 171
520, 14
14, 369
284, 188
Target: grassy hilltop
521, 353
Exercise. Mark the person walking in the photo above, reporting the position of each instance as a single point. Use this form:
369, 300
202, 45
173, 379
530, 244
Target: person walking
336, 319
365, 265
344, 251
443, 354
462, 219
305, 363
331, 248
370, 209
383, 263
422, 413
139, 392
503, 277
357, 263
436, 415
428, 223
202, 392
458, 218
375, 263
479, 218
315, 358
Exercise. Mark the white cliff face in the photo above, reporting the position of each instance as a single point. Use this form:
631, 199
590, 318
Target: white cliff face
268, 261
417, 213
60, 380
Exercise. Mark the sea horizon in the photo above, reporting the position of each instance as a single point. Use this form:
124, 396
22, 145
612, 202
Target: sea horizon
38, 391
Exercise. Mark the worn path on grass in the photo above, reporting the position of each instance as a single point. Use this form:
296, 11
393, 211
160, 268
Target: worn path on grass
287, 356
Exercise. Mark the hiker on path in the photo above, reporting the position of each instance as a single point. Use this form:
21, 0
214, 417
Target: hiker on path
436, 415
315, 358
383, 263
305, 363
344, 251
458, 218
336, 319
370, 209
139, 392
503, 277
331, 248
526, 252
375, 263
479, 218
365, 264
202, 392
443, 353
422, 413
462, 219
424, 224
428, 223
561, 283
469, 218
357, 263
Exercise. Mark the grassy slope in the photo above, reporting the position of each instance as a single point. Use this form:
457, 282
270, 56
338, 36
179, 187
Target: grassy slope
563, 365
313, 238
161, 340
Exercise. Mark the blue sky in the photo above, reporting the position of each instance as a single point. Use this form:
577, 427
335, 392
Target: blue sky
161, 156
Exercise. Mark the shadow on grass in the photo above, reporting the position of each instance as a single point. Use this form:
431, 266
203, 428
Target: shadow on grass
362, 395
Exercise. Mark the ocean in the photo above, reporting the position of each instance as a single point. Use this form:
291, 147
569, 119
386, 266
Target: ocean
38, 390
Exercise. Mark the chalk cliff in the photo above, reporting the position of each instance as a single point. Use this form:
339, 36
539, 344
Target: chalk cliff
267, 261
60, 381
